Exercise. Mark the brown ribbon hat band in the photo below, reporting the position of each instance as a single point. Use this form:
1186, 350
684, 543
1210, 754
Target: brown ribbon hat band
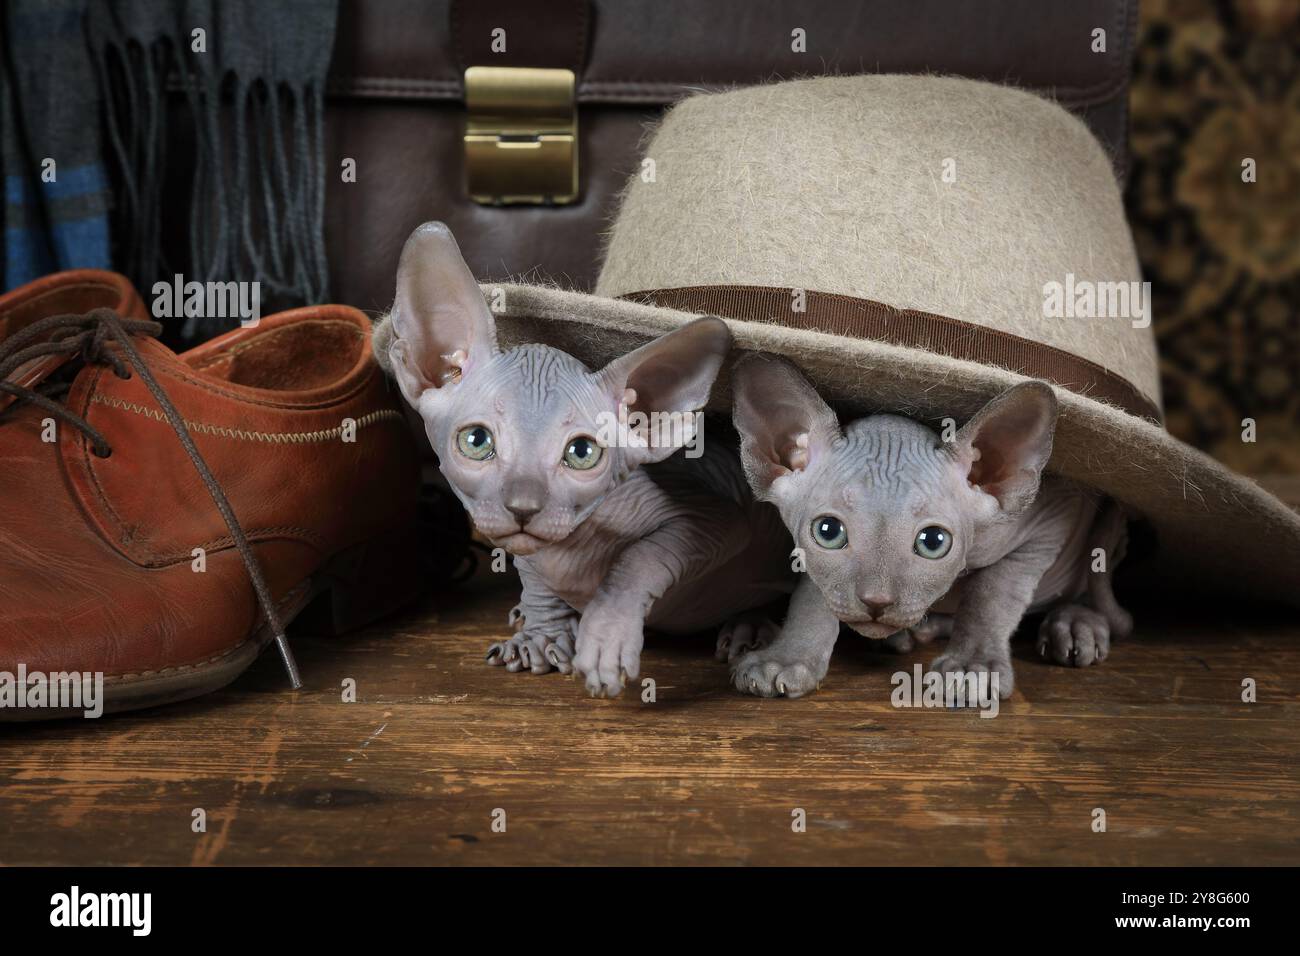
875, 321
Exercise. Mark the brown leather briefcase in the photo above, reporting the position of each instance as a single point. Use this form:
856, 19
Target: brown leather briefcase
517, 122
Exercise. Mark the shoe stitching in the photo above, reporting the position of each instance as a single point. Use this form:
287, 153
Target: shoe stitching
87, 336
275, 438
228, 652
217, 545
151, 557
178, 668
125, 542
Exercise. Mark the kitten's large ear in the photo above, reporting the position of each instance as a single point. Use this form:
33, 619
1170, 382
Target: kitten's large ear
674, 373
1006, 446
441, 325
784, 425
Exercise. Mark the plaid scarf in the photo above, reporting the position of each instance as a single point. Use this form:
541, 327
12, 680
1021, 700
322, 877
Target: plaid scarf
56, 193
248, 92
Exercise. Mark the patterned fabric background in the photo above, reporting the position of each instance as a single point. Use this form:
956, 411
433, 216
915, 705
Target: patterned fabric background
1216, 83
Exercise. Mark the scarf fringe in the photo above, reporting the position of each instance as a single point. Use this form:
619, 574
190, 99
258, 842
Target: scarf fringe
257, 187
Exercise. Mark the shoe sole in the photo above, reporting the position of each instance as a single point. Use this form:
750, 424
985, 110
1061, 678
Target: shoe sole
366, 583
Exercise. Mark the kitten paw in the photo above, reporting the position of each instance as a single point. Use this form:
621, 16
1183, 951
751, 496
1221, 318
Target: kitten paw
978, 661
609, 651
1074, 635
537, 649
900, 642
930, 627
743, 633
764, 675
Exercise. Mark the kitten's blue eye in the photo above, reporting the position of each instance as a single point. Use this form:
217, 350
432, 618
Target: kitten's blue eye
475, 443
829, 532
582, 453
933, 542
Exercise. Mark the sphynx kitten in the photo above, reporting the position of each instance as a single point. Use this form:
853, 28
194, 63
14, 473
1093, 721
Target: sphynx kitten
899, 526
607, 540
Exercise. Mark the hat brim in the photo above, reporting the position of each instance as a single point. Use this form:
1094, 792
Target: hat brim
1213, 526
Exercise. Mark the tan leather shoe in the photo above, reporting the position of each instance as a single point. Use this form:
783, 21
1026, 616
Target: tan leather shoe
119, 556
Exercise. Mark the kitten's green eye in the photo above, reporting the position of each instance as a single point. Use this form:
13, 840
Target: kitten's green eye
475, 443
582, 454
933, 542
829, 532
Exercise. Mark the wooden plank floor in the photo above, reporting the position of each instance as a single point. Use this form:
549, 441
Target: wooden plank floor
411, 774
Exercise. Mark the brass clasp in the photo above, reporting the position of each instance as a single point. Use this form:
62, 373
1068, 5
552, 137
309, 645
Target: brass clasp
521, 135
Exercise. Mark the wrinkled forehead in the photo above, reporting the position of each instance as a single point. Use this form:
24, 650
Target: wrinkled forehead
533, 383
887, 469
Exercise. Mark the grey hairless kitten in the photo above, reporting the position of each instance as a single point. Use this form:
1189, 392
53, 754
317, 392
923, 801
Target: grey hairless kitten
609, 537
899, 527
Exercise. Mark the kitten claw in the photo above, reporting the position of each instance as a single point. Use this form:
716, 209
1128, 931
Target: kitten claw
1075, 635
743, 633
763, 674
536, 650
608, 649
977, 661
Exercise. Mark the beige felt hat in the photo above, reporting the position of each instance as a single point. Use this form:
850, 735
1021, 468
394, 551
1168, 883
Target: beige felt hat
899, 238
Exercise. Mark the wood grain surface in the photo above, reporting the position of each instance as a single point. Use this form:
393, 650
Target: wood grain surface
412, 773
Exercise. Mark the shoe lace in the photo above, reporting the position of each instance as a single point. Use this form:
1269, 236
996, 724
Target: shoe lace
90, 337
